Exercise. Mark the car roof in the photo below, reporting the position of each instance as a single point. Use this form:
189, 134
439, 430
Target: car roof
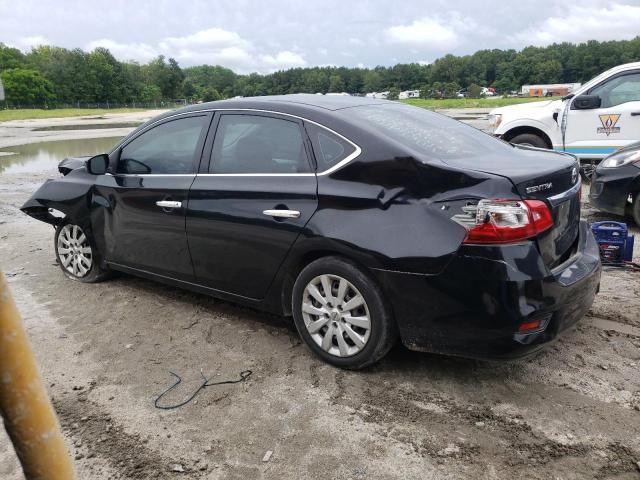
327, 110
326, 102
324, 109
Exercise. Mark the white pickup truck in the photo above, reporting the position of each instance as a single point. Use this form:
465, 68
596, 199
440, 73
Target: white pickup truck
597, 119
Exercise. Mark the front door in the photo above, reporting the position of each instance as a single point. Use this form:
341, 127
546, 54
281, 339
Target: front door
251, 203
601, 131
145, 197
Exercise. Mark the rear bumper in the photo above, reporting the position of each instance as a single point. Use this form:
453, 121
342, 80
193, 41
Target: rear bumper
474, 308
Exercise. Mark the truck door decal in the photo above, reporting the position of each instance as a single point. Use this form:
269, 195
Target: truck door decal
609, 122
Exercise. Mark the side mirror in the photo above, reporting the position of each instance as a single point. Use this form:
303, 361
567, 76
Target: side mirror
98, 165
586, 102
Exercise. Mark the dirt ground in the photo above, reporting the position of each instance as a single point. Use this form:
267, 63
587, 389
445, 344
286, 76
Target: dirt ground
106, 350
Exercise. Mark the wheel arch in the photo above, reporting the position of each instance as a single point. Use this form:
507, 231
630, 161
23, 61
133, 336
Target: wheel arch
297, 262
515, 131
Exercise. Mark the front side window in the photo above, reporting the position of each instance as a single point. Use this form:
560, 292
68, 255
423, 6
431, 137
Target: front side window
169, 148
329, 148
619, 90
257, 144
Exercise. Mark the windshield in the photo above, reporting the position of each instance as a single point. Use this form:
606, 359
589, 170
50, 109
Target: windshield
428, 133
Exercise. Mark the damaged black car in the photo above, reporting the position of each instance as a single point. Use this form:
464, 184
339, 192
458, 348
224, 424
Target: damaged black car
615, 186
366, 220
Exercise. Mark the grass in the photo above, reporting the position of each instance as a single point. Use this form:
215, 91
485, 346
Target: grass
434, 103
28, 114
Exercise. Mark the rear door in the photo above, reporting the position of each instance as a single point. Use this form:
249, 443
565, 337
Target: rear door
250, 201
145, 197
601, 131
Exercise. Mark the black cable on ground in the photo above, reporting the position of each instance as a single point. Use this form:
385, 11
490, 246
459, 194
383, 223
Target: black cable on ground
243, 376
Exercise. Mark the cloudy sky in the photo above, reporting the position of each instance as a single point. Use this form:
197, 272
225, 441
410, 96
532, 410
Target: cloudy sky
267, 35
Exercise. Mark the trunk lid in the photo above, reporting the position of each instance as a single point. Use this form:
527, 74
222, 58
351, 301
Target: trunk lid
541, 175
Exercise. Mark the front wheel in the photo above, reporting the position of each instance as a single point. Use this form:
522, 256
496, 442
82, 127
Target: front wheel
76, 255
635, 209
340, 313
529, 140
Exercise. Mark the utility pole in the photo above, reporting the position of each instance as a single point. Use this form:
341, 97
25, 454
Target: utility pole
25, 407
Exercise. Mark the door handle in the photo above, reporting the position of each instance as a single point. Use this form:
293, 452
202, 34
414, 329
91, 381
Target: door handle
635, 114
282, 213
168, 204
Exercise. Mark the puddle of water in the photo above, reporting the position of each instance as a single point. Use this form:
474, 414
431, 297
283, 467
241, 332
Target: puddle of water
45, 156
90, 126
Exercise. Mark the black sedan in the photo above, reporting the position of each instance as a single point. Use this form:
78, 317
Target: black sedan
366, 220
615, 184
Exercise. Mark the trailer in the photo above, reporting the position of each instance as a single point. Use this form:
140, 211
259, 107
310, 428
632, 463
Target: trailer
549, 90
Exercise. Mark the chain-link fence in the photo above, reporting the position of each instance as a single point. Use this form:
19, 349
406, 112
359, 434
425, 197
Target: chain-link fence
5, 105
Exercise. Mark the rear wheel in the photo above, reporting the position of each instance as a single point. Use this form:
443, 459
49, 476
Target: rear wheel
529, 140
339, 312
76, 255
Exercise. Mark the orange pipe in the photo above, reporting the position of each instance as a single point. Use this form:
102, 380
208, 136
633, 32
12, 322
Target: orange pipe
28, 415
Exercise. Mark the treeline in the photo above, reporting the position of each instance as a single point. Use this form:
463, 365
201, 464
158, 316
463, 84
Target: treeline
49, 76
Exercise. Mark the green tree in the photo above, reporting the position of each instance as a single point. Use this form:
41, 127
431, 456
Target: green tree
474, 90
210, 94
336, 84
394, 93
26, 87
10, 57
151, 93
372, 81
167, 76
450, 89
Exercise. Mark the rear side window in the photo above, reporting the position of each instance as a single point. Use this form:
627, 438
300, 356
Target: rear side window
258, 144
169, 148
428, 133
329, 149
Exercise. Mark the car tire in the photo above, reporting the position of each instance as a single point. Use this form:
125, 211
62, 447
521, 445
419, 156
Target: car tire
529, 139
635, 209
353, 337
76, 254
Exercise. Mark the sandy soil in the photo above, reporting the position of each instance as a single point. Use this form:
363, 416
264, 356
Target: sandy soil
106, 350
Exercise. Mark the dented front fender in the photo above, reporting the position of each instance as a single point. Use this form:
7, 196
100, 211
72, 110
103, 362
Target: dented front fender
69, 195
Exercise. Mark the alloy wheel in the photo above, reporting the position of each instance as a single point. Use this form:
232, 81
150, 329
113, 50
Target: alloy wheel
74, 251
336, 315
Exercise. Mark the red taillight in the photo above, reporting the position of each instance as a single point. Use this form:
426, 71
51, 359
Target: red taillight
528, 326
508, 221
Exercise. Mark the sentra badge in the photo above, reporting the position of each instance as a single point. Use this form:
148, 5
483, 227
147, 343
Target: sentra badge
539, 188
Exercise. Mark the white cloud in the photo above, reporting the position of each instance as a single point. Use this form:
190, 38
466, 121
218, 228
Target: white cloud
424, 32
613, 22
282, 60
125, 51
211, 38
212, 46
25, 43
442, 33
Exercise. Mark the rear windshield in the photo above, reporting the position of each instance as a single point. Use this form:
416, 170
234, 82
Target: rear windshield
426, 132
